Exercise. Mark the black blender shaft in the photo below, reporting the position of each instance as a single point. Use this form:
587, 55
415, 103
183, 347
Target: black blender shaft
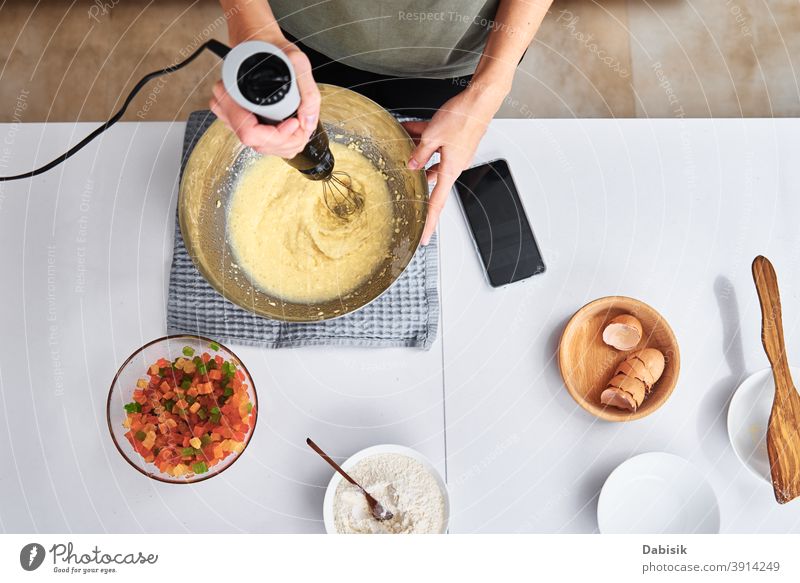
315, 162
316, 159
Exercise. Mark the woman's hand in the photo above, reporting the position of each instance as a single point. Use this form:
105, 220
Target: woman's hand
455, 132
287, 138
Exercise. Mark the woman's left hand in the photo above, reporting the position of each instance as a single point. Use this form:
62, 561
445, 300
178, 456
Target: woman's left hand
455, 132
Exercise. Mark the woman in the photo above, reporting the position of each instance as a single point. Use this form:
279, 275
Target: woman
451, 61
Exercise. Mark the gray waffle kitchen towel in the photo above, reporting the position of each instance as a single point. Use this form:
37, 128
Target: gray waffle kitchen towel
407, 314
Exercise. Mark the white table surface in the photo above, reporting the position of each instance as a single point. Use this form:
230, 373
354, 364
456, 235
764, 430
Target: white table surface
669, 211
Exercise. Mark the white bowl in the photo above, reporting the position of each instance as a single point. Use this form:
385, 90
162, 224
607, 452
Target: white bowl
657, 493
330, 492
748, 416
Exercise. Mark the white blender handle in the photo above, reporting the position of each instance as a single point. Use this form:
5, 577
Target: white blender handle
250, 63
268, 89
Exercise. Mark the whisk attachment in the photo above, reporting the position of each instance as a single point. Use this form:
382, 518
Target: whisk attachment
341, 198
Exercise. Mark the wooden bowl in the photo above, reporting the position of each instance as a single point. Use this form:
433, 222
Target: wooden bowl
587, 363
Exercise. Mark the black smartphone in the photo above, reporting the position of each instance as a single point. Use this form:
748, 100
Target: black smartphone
495, 216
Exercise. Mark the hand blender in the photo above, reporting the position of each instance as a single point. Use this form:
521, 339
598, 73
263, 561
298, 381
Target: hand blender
259, 77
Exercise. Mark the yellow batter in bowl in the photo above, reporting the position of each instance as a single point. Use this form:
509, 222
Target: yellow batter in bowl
216, 167
289, 242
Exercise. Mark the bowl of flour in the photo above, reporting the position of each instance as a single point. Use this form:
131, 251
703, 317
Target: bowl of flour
402, 480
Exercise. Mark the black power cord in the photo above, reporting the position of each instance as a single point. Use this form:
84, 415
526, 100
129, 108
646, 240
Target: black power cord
213, 45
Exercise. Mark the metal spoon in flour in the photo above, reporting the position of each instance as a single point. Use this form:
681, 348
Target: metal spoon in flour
378, 511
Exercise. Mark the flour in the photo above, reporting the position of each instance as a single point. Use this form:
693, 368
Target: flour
402, 485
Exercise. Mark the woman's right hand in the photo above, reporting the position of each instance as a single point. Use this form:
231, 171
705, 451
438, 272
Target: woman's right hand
288, 138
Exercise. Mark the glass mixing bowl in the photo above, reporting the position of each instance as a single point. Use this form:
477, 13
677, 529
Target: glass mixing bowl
219, 159
135, 368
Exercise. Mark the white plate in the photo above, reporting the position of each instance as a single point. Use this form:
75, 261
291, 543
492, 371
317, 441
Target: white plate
655, 493
330, 492
748, 416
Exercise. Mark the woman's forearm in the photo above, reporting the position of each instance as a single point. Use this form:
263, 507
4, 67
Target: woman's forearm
515, 24
250, 19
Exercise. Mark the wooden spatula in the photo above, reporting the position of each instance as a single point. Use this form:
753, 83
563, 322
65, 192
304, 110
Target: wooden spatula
783, 432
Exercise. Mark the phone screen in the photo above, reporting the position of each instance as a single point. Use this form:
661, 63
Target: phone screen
501, 231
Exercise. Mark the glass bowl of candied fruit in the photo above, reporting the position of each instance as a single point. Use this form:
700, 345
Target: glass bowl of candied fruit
182, 409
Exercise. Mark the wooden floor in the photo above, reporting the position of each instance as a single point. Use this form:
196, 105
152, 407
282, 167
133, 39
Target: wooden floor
64, 60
